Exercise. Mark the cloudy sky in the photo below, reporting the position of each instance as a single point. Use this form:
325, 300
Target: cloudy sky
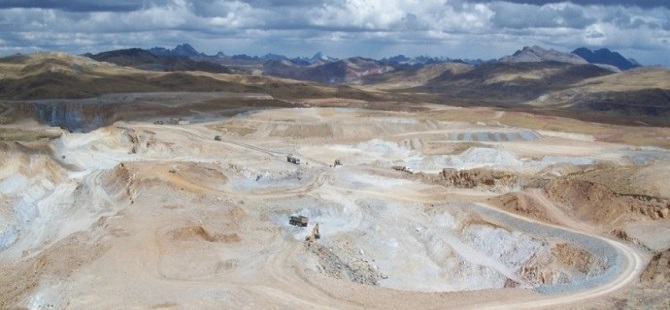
340, 28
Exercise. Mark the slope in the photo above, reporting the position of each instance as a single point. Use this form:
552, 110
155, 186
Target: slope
510, 82
346, 71
605, 56
413, 75
642, 93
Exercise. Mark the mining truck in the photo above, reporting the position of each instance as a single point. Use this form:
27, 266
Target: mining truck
292, 159
298, 220
403, 169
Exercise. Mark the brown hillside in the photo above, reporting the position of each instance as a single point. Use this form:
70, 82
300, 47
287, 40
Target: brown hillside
634, 93
53, 75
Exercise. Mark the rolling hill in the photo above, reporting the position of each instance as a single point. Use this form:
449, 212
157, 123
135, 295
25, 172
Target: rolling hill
641, 92
583, 91
510, 82
61, 76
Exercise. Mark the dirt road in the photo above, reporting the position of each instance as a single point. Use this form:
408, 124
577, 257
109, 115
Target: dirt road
633, 265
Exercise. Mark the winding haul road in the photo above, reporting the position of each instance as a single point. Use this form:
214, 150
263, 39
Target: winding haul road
630, 271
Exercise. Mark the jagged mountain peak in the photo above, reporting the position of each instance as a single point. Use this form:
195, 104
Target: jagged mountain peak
537, 54
321, 57
606, 57
183, 50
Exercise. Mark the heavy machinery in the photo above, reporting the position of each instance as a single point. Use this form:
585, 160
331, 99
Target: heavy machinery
337, 163
311, 238
298, 220
292, 159
403, 169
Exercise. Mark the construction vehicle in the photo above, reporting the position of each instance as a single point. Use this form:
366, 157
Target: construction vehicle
403, 169
292, 159
298, 220
315, 234
337, 163
218, 138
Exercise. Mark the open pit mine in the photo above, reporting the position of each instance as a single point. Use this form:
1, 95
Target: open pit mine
184, 200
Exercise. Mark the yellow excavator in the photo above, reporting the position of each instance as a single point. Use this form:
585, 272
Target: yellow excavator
311, 238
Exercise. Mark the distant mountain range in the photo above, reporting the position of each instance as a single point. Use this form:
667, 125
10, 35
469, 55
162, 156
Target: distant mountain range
186, 50
329, 70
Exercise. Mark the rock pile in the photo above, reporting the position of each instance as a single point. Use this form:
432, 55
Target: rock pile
478, 177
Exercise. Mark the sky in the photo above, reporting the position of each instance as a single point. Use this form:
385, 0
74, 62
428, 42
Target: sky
470, 29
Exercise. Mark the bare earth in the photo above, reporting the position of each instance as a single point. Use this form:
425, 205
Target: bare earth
145, 216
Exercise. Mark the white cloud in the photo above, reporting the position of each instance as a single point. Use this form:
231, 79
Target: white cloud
351, 27
523, 16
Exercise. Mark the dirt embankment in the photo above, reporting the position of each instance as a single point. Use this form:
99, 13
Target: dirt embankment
597, 203
658, 270
477, 177
611, 204
499, 181
524, 204
120, 182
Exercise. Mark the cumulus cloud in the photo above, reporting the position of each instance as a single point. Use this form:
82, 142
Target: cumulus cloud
522, 16
375, 28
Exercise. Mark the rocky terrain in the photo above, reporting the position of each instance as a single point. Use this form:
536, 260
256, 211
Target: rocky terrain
180, 196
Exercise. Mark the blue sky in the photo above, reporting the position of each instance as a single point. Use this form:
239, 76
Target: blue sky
339, 28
